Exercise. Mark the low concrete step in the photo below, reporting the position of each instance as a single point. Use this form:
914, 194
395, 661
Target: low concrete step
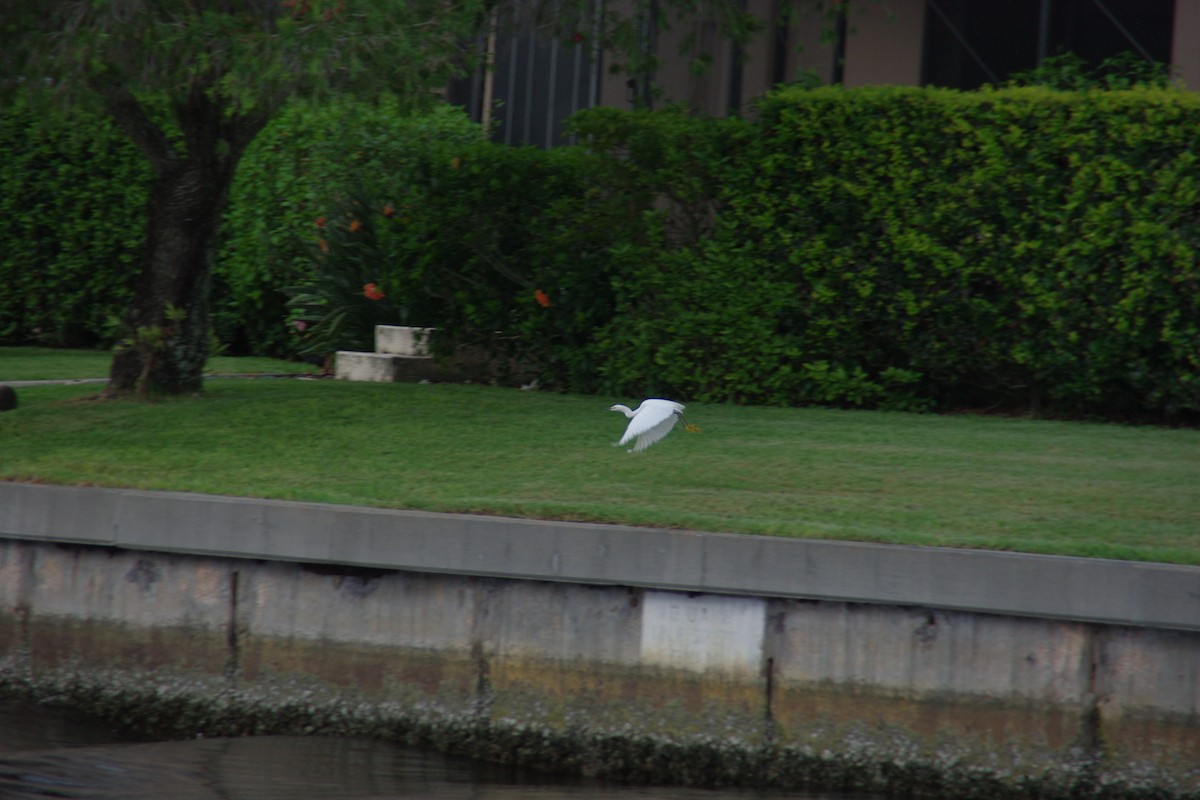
387, 368
402, 340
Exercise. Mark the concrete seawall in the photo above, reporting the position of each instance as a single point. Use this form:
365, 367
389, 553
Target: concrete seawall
797, 660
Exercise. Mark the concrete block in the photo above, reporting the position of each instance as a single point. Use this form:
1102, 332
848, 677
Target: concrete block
876, 683
132, 588
558, 622
917, 652
366, 608
703, 633
371, 367
17, 578
402, 340
1149, 671
386, 368
157, 521
56, 513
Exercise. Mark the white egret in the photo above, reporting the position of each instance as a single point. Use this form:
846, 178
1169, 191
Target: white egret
651, 421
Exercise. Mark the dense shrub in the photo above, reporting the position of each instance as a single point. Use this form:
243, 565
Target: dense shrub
907, 248
74, 200
432, 244
74, 207
910, 248
528, 255
309, 159
692, 317
1009, 247
495, 246
654, 182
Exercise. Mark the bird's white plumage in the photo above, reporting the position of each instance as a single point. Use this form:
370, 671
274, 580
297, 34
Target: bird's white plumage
651, 421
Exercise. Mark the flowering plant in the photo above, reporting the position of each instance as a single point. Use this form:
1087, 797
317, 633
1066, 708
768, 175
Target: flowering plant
349, 288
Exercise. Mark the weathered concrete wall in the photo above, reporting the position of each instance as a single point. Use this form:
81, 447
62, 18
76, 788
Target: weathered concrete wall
1015, 697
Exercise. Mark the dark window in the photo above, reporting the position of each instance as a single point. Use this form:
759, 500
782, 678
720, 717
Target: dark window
972, 42
540, 76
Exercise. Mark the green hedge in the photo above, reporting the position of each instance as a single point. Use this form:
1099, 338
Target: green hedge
309, 159
886, 247
1017, 247
893, 247
74, 209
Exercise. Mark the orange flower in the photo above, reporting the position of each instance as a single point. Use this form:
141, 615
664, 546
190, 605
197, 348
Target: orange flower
542, 298
320, 222
372, 292
389, 210
324, 245
355, 225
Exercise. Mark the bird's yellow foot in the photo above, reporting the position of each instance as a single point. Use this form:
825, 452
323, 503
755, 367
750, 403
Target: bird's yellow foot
690, 428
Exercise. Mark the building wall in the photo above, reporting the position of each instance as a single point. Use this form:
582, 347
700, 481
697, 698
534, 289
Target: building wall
1185, 45
539, 81
883, 43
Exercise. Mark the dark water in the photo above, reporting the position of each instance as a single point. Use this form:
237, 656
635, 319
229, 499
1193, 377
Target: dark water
51, 753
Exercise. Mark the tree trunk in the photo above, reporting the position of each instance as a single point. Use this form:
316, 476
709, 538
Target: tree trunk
166, 337
165, 343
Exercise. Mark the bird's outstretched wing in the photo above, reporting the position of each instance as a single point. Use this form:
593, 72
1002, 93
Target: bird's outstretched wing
653, 420
654, 434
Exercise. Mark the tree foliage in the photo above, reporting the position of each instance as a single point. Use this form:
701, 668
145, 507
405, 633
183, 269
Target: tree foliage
249, 56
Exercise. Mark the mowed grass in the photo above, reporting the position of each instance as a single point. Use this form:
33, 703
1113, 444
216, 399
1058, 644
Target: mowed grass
44, 363
958, 481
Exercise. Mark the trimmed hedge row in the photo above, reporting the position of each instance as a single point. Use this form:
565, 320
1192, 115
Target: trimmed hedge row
892, 247
919, 248
74, 209
1018, 247
888, 247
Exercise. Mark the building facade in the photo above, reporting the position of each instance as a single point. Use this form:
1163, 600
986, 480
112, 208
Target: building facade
543, 72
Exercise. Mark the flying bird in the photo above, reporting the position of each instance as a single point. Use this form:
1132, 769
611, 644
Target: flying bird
651, 421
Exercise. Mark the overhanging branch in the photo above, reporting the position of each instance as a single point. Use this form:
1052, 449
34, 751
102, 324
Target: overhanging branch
149, 137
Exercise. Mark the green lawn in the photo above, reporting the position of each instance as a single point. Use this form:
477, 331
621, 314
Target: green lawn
1036, 486
44, 363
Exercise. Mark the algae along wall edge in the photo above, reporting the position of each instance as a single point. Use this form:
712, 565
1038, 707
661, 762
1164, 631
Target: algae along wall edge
621, 680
